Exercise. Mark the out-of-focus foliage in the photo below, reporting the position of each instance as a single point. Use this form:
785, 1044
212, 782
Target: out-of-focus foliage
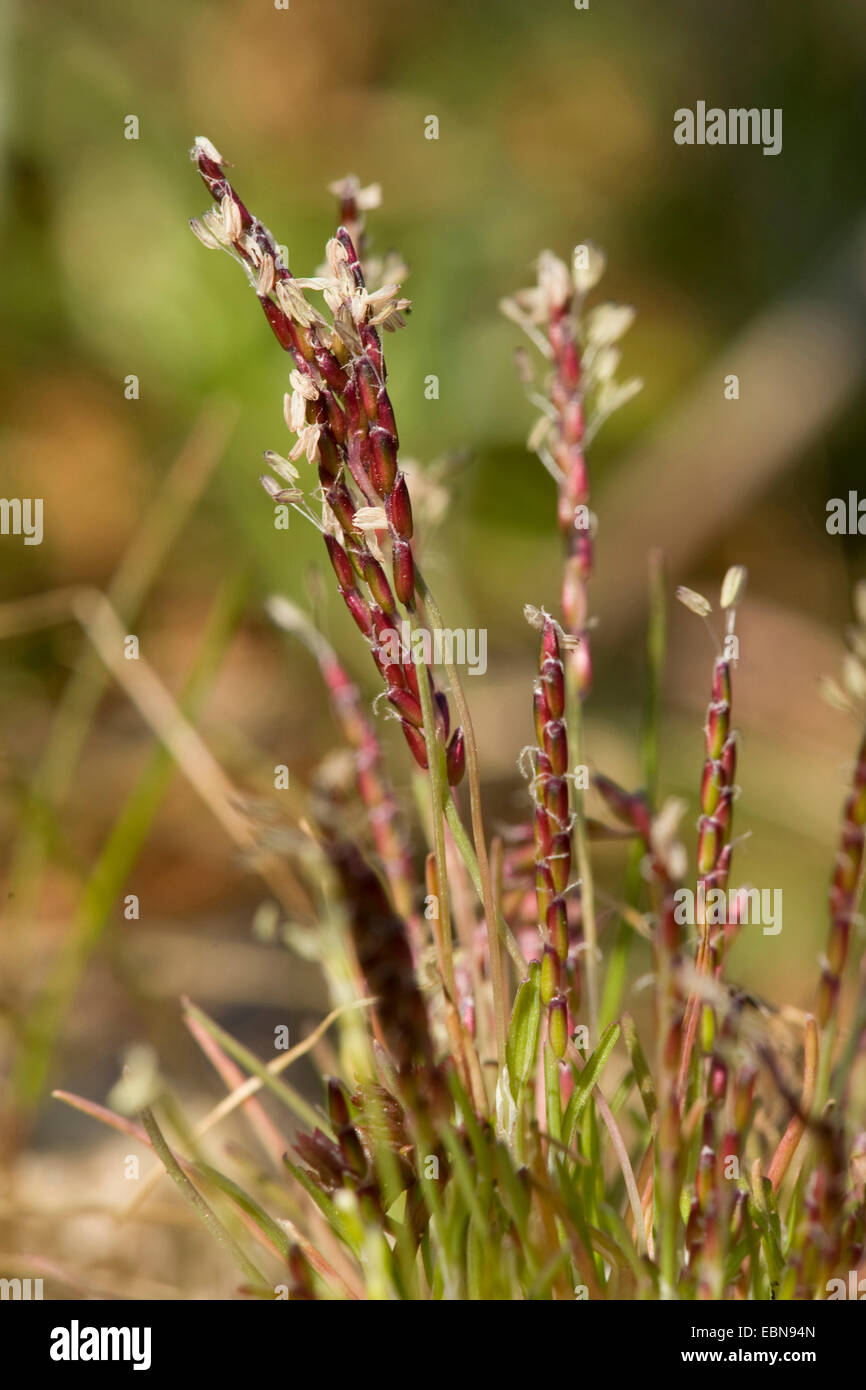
554, 125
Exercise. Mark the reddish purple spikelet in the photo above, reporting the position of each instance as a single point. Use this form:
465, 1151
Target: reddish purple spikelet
341, 563
455, 758
407, 706
398, 509
404, 572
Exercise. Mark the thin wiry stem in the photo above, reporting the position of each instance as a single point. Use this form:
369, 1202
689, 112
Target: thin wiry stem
463, 843
497, 977
642, 1226
192, 1194
437, 776
243, 1091
797, 1126
584, 859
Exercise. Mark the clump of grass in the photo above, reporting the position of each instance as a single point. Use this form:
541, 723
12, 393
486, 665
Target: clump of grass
479, 1135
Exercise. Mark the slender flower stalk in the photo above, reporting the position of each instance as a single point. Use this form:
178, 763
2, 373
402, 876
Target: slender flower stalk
849, 871
714, 825
665, 867
463, 750
553, 839
578, 396
822, 1252
714, 851
845, 890
373, 782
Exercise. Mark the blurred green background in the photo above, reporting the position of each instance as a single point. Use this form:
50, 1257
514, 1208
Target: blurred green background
555, 125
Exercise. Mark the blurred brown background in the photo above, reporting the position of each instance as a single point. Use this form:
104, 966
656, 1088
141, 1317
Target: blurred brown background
555, 125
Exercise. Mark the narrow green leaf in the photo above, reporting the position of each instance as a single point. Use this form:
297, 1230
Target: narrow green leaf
642, 1074
480, 1144
521, 1047
274, 1232
586, 1079
287, 1094
763, 1211
465, 1176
